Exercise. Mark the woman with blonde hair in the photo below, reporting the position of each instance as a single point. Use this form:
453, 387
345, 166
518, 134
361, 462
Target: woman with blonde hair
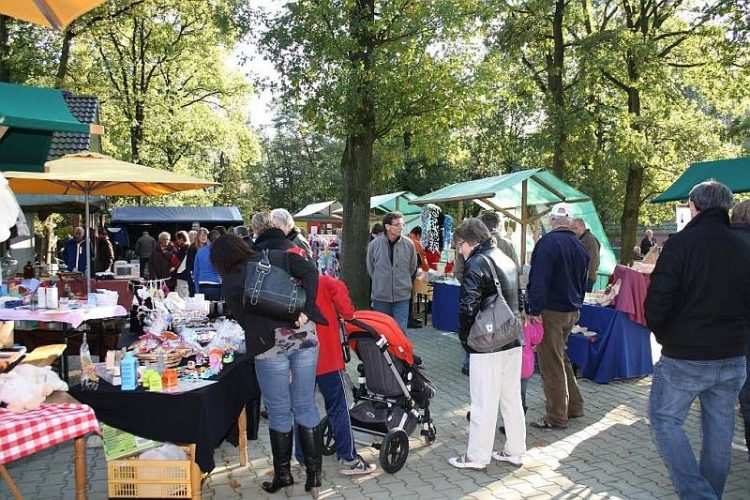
200, 240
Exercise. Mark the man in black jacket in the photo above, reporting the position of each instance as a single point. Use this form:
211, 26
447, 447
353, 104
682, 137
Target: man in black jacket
698, 306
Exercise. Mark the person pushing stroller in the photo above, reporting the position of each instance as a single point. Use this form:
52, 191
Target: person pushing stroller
333, 301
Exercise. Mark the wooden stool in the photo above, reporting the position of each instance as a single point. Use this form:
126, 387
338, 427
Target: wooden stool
46, 355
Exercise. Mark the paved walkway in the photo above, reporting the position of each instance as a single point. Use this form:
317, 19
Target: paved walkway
606, 454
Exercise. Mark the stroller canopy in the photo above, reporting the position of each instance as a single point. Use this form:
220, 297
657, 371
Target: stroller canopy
376, 324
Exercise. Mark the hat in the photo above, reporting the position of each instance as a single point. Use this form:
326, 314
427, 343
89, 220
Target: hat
561, 210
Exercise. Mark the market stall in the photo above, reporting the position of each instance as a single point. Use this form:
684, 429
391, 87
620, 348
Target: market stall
72, 315
90, 174
611, 346
524, 197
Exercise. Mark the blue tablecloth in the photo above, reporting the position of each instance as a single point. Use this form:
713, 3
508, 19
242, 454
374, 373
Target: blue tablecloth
622, 348
445, 306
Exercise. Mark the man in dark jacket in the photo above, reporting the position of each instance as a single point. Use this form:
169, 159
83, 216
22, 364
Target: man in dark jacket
593, 248
698, 306
741, 224
557, 284
495, 377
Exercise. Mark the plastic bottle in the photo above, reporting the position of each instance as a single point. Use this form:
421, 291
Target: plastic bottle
89, 378
129, 372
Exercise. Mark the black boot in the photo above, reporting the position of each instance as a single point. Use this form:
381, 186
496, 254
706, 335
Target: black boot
312, 448
281, 447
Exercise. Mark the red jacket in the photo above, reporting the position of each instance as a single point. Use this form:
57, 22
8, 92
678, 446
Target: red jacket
333, 301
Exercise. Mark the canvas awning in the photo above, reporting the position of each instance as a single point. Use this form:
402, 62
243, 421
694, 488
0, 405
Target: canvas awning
227, 216
734, 173
323, 211
28, 117
399, 201
516, 193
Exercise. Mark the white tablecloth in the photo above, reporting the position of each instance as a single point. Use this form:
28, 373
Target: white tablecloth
73, 317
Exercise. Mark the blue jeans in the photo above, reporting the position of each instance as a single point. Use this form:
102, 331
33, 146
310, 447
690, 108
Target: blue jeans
281, 397
398, 310
745, 398
675, 386
333, 387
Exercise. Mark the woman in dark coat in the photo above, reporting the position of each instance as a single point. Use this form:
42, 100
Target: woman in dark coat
281, 349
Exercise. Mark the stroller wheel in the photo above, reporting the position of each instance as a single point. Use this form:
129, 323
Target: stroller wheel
329, 442
431, 434
394, 450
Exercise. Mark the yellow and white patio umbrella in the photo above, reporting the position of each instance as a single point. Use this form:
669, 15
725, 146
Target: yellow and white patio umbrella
51, 13
90, 174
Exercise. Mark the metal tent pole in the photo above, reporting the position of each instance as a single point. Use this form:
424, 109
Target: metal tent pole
86, 195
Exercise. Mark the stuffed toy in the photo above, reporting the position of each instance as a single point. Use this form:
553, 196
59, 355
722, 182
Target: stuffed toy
27, 386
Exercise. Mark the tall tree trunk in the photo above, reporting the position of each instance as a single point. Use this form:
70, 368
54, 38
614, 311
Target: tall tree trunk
136, 132
555, 73
357, 160
356, 169
632, 203
4, 50
62, 67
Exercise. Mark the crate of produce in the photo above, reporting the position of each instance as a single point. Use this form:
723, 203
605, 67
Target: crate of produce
133, 478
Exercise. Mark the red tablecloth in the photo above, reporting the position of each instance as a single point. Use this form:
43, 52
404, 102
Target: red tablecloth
632, 293
23, 434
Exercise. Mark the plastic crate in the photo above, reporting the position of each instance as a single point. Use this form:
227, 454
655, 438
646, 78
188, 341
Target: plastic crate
133, 478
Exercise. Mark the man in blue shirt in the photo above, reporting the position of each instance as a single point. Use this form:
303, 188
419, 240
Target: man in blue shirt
557, 284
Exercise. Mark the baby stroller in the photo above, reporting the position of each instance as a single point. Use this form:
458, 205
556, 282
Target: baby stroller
393, 396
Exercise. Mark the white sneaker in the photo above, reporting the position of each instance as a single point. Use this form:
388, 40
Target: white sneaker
463, 463
502, 456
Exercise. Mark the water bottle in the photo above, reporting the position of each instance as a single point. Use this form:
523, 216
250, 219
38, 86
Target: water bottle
129, 372
89, 378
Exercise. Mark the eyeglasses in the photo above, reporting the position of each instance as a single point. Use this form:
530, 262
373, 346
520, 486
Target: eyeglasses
401, 224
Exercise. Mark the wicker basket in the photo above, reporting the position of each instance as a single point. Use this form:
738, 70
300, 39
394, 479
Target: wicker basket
171, 359
133, 478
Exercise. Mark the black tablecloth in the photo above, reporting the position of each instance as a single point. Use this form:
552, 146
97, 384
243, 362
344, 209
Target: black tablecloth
205, 416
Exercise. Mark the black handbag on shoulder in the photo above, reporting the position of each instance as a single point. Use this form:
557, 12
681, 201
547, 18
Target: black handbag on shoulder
272, 291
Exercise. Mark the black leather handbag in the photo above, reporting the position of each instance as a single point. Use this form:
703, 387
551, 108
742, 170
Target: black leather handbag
272, 291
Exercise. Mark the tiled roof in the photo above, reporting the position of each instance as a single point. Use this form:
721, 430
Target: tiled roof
86, 110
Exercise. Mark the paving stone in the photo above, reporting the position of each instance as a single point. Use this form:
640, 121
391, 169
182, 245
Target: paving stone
608, 453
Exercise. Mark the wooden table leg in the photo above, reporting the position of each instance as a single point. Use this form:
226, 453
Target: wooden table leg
9, 481
242, 425
80, 446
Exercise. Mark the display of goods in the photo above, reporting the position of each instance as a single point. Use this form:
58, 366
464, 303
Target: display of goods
171, 359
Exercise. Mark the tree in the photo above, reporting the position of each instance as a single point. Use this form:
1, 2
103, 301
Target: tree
361, 70
641, 48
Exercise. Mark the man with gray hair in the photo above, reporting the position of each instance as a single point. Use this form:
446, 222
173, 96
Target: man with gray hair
282, 219
698, 307
557, 284
592, 246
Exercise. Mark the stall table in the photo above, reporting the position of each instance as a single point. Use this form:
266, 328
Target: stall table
72, 318
621, 348
205, 416
445, 298
23, 434
122, 287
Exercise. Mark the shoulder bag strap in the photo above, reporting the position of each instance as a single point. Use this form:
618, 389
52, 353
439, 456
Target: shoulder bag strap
494, 274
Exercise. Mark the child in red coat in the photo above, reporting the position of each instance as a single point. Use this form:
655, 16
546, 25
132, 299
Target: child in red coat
334, 302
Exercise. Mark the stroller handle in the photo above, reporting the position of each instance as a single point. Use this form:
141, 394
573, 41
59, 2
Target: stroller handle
344, 341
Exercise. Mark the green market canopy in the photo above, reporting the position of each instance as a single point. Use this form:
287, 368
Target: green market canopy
28, 117
734, 173
524, 197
